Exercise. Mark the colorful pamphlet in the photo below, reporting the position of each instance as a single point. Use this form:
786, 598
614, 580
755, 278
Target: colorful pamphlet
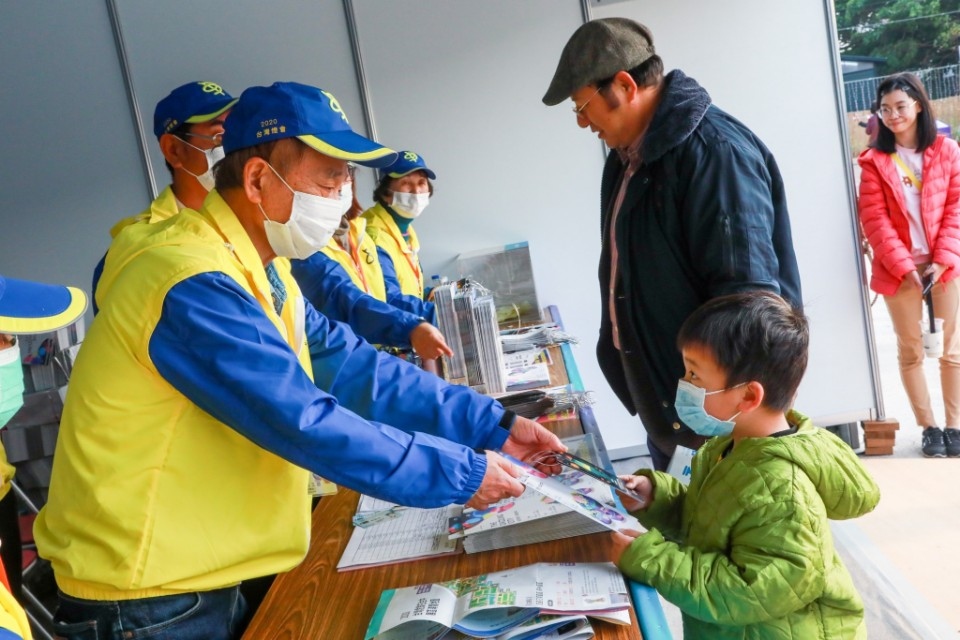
489, 605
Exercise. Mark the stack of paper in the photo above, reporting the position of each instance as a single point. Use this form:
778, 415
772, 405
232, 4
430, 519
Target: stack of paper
493, 605
467, 317
388, 533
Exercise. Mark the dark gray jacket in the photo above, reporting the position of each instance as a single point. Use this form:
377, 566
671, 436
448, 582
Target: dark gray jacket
705, 215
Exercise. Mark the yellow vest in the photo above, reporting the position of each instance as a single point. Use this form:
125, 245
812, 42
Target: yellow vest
385, 232
150, 495
12, 615
361, 261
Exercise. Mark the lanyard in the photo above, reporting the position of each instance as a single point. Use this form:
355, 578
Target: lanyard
907, 171
412, 261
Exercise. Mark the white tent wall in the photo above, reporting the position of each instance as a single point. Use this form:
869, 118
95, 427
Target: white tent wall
459, 81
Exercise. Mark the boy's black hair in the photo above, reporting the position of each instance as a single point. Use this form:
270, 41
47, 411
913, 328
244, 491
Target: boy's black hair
754, 336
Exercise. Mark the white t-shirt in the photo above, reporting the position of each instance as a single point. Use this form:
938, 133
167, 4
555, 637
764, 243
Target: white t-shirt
918, 237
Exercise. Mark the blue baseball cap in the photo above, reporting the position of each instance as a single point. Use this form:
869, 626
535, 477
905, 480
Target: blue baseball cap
31, 307
189, 104
406, 163
314, 116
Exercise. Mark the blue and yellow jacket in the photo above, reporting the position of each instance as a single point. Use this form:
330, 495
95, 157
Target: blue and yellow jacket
400, 262
163, 207
347, 286
192, 420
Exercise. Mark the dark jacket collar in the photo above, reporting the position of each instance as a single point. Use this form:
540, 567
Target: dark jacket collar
683, 104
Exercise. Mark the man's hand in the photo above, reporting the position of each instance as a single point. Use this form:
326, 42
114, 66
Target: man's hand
499, 481
529, 440
622, 540
428, 342
640, 485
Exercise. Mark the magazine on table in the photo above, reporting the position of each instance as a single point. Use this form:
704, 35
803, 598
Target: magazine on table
488, 605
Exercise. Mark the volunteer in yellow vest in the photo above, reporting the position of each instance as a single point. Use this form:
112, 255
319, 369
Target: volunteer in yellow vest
207, 390
344, 282
401, 196
188, 124
25, 308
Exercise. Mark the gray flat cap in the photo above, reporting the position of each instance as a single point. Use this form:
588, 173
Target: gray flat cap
596, 51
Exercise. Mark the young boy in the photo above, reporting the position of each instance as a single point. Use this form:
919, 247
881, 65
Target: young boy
746, 551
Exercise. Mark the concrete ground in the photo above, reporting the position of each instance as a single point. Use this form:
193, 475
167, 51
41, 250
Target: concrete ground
904, 556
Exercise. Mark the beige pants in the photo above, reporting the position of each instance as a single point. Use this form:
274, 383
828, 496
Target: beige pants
906, 311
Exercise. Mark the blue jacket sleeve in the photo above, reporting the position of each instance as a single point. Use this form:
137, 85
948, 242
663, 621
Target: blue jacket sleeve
384, 388
97, 273
215, 345
397, 298
331, 291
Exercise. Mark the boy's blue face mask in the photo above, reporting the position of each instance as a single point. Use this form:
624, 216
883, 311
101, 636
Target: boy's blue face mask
11, 383
689, 406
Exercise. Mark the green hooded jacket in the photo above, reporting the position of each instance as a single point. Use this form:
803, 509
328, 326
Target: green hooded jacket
746, 550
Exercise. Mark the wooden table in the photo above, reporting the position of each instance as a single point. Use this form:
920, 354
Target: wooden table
314, 601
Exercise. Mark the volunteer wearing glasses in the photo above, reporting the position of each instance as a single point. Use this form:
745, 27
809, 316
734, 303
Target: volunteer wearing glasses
25, 308
402, 194
910, 211
344, 281
207, 390
188, 124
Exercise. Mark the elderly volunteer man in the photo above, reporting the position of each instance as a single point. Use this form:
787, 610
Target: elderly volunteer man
207, 388
188, 124
692, 207
25, 308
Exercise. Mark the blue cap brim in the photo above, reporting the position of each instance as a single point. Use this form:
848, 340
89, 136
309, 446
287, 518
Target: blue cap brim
351, 146
32, 307
430, 174
217, 110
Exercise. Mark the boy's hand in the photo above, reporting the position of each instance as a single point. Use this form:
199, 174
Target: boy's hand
622, 540
642, 486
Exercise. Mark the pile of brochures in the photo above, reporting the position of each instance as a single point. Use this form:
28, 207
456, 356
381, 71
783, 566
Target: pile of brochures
544, 600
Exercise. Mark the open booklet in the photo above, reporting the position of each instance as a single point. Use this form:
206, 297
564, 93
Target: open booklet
488, 605
571, 503
545, 627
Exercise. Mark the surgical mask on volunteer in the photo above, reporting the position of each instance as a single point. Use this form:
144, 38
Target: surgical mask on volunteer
346, 197
313, 221
11, 383
213, 156
410, 205
690, 410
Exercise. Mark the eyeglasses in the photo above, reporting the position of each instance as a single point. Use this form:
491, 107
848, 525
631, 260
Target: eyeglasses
216, 139
577, 110
888, 112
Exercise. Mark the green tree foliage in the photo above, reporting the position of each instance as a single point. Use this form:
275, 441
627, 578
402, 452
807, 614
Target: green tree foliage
910, 34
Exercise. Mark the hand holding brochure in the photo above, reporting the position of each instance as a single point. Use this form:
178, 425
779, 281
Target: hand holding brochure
488, 605
555, 488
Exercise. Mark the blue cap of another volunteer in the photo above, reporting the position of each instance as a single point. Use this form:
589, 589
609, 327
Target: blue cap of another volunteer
191, 103
31, 307
312, 115
406, 163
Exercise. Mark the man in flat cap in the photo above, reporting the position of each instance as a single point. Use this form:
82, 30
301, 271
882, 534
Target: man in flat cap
692, 207
207, 389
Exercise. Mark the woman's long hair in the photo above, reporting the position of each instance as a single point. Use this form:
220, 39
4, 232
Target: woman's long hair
926, 122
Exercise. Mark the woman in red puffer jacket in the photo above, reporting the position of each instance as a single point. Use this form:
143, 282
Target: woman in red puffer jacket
910, 212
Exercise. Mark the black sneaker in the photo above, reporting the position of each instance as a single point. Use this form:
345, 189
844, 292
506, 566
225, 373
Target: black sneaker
951, 440
933, 446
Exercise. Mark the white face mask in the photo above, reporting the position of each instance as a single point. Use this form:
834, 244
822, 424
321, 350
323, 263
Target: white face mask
313, 220
346, 197
213, 156
410, 205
